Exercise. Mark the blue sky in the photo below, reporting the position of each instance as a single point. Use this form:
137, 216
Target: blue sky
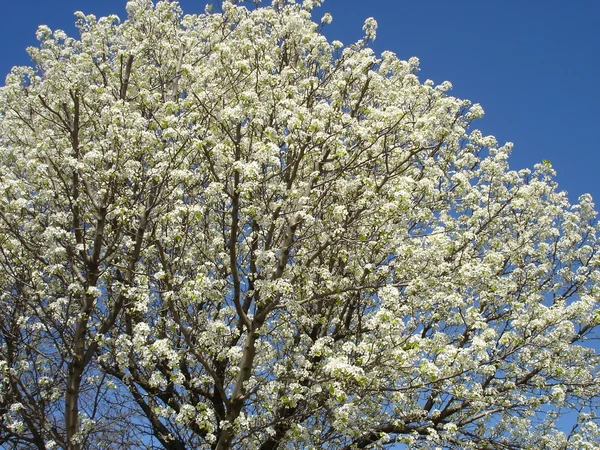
533, 65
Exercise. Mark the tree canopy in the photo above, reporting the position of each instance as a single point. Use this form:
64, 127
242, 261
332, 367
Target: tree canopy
223, 231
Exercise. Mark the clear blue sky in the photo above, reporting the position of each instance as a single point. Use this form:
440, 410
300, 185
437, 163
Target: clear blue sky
533, 65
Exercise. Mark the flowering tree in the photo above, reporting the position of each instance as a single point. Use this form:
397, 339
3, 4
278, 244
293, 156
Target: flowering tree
223, 231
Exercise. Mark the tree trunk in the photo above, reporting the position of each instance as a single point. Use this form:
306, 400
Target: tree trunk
76, 368
237, 398
72, 403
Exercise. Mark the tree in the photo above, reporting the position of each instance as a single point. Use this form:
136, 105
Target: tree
223, 231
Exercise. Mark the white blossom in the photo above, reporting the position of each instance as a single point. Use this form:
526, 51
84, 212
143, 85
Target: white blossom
225, 231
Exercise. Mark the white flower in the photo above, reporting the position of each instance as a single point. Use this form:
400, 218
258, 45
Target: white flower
157, 380
15, 407
475, 112
327, 18
43, 32
370, 28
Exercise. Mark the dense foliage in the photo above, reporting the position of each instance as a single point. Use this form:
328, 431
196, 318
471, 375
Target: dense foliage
223, 231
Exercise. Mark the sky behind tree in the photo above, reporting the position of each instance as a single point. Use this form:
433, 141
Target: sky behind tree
533, 65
